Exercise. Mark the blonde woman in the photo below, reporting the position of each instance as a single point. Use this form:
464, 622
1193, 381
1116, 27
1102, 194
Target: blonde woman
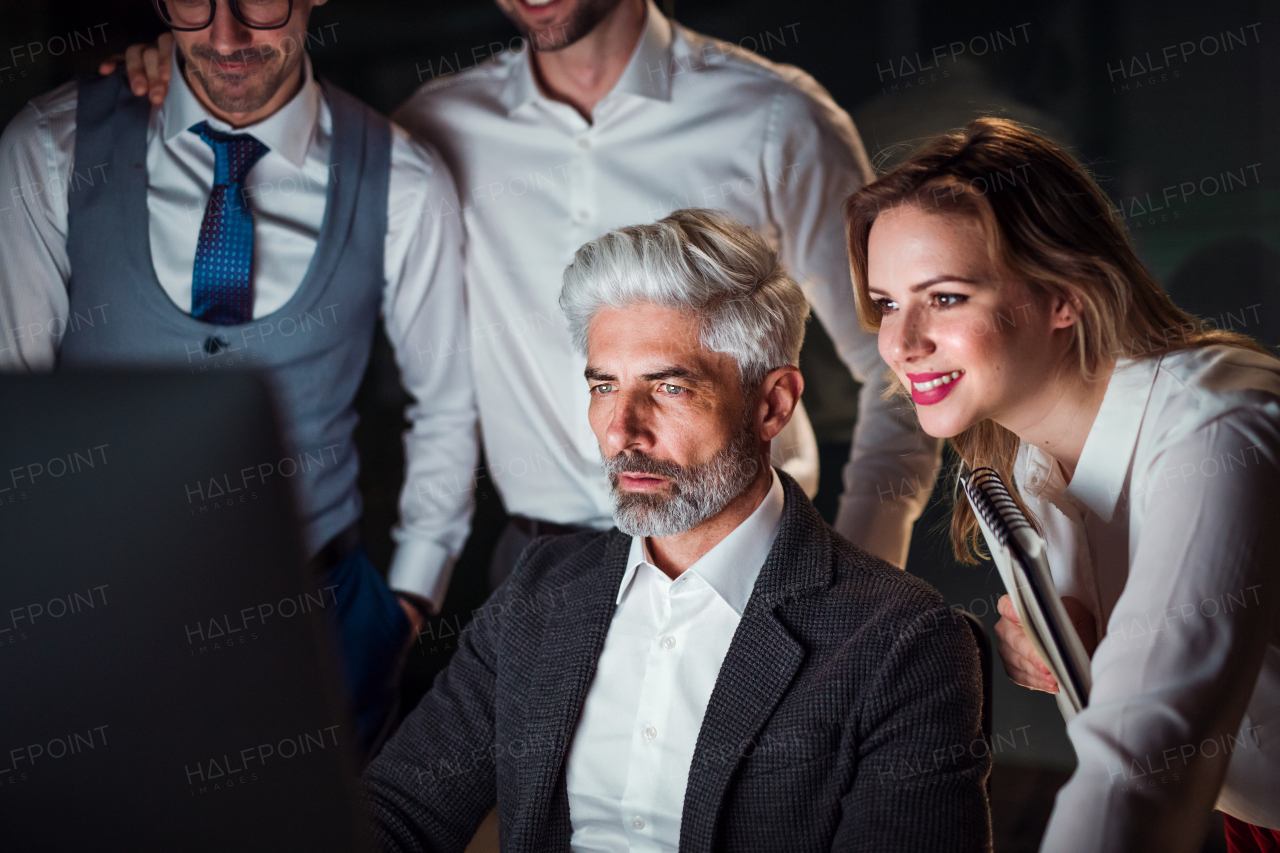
1012, 308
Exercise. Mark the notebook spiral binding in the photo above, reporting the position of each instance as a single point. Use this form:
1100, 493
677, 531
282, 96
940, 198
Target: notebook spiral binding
996, 507
993, 502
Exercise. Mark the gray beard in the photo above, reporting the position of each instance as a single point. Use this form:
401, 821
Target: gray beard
697, 492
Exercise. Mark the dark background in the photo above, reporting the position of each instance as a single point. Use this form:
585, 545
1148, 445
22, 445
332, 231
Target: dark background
1067, 68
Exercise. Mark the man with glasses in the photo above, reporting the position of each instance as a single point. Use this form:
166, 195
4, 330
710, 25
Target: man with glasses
253, 217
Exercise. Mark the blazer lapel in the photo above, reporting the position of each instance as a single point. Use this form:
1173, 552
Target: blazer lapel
760, 665
566, 664
738, 710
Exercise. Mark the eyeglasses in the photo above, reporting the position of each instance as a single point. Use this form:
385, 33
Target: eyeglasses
189, 15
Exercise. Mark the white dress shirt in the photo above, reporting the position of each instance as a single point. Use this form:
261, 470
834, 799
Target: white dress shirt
423, 297
628, 765
692, 122
1169, 534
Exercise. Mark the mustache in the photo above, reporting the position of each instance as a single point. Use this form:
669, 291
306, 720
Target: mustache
639, 462
248, 55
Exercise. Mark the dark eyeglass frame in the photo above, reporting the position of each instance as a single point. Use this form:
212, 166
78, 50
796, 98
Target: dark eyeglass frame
158, 5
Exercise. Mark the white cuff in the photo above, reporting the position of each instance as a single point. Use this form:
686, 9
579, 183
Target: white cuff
422, 567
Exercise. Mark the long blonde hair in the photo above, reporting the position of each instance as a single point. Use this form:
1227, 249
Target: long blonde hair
1049, 225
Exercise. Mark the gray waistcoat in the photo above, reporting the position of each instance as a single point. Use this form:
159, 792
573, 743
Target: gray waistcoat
313, 350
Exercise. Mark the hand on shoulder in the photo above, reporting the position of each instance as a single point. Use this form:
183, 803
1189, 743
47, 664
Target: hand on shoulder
147, 66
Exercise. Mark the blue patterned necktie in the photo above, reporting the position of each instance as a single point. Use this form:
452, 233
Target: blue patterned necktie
222, 283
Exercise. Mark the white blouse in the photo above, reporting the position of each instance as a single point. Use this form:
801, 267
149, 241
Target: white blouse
1169, 532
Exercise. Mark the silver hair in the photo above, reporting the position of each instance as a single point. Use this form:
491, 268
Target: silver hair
700, 262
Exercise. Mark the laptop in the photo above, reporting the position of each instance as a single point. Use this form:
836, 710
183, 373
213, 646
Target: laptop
170, 680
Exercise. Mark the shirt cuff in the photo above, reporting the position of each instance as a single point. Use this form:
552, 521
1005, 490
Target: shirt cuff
422, 567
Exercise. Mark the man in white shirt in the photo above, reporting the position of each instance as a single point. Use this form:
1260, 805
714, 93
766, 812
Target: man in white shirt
253, 217
723, 671
618, 116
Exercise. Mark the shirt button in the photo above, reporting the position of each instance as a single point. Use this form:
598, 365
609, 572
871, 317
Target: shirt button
637, 822
668, 642
583, 216
584, 143
650, 732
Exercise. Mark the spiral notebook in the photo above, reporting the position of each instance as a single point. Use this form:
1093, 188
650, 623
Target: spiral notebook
1020, 556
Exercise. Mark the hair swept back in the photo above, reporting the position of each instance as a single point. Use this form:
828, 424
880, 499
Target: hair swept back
700, 262
1050, 226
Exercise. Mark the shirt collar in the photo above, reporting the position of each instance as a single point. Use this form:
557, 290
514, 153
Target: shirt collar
1104, 461
647, 72
287, 131
731, 567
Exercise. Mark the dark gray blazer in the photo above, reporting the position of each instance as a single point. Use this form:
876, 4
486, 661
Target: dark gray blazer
846, 715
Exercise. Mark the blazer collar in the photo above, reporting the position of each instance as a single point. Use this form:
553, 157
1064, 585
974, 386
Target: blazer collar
566, 665
761, 663
800, 561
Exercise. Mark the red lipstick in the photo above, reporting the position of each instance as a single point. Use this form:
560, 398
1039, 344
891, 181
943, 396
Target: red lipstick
940, 385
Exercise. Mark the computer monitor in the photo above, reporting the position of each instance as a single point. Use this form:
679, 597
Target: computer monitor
169, 676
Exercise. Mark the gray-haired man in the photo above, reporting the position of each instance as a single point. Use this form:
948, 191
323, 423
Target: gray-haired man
724, 671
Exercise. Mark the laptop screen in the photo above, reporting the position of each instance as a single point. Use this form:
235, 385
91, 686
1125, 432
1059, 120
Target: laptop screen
169, 675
